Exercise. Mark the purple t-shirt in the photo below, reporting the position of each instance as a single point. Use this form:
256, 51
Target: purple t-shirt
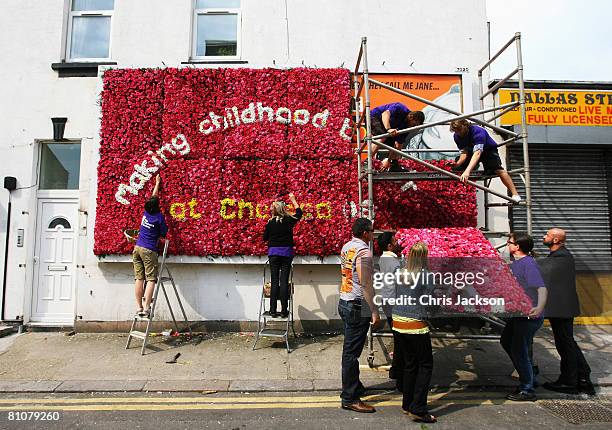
151, 228
477, 139
282, 251
398, 114
527, 273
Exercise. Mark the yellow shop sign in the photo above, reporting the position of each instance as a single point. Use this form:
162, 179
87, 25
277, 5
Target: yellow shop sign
568, 108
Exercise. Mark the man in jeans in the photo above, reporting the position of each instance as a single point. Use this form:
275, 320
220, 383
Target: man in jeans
559, 272
357, 310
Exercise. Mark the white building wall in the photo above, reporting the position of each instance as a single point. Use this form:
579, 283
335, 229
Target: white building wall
409, 37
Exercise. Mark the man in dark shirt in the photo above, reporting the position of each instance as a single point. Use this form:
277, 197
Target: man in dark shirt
390, 118
559, 272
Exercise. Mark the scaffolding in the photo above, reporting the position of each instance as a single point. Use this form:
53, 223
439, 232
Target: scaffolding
367, 176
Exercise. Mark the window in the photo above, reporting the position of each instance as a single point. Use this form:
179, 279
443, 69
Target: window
63, 222
89, 29
60, 166
216, 27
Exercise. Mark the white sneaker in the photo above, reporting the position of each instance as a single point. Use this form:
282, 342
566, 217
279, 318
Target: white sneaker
516, 198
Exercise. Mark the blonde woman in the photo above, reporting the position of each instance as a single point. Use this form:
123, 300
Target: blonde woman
279, 235
414, 339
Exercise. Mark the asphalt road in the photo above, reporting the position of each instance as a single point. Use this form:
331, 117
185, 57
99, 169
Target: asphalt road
156, 411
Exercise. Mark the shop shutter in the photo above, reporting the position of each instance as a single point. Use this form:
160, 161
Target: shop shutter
570, 190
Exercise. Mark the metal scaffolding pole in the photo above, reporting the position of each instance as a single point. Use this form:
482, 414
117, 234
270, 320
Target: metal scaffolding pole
368, 120
440, 170
454, 112
521, 82
358, 137
444, 121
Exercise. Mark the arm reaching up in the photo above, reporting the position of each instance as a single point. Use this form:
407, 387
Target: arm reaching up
157, 184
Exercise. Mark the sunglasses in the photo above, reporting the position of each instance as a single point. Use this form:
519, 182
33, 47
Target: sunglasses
510, 243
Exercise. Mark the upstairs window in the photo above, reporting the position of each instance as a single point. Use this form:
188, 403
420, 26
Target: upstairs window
216, 32
60, 166
89, 30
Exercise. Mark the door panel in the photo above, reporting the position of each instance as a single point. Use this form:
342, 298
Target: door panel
55, 263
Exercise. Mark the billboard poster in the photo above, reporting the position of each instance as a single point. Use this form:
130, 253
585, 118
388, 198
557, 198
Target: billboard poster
444, 90
563, 108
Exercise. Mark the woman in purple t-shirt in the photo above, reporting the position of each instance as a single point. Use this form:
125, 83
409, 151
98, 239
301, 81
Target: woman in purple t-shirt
519, 331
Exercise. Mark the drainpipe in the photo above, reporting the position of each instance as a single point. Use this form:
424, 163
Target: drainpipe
10, 183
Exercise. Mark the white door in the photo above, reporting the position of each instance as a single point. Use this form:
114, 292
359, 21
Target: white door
55, 262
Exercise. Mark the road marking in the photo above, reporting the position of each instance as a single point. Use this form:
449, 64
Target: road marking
234, 403
246, 399
227, 406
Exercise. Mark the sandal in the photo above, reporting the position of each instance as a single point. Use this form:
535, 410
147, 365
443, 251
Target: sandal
144, 313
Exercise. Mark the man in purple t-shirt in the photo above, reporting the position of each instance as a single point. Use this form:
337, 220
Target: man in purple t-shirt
390, 118
152, 227
477, 146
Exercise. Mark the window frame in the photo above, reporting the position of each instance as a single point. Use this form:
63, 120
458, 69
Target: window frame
216, 11
54, 192
93, 13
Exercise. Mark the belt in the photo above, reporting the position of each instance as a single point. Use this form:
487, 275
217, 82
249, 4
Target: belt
409, 325
356, 301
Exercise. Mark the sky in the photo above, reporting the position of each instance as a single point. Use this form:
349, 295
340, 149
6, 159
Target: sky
561, 39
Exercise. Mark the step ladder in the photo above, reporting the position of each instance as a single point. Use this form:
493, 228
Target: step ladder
159, 285
269, 326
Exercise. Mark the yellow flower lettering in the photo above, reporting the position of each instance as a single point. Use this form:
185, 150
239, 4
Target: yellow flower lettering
177, 211
262, 215
241, 205
192, 209
224, 204
324, 206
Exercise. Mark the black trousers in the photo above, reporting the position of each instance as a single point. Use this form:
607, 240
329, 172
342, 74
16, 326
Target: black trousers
280, 267
417, 366
574, 366
395, 372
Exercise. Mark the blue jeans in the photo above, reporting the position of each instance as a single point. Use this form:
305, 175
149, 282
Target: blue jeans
356, 318
515, 339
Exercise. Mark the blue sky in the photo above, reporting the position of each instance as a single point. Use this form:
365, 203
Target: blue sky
562, 39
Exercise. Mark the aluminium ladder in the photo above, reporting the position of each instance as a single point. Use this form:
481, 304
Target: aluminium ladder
144, 335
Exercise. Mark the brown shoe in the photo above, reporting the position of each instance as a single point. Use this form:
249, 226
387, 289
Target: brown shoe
427, 418
360, 407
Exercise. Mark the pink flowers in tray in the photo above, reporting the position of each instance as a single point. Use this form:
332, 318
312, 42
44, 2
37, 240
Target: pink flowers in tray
459, 251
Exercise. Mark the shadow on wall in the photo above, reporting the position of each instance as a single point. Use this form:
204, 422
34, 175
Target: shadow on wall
224, 297
207, 292
316, 298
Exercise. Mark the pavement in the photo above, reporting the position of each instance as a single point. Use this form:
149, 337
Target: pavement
51, 362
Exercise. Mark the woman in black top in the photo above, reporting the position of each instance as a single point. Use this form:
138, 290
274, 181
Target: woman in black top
279, 235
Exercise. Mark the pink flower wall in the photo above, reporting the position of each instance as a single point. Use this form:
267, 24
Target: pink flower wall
226, 142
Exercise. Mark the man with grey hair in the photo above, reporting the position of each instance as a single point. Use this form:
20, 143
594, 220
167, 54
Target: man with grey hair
559, 273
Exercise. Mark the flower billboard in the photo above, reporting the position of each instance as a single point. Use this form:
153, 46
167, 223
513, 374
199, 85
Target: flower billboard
226, 143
